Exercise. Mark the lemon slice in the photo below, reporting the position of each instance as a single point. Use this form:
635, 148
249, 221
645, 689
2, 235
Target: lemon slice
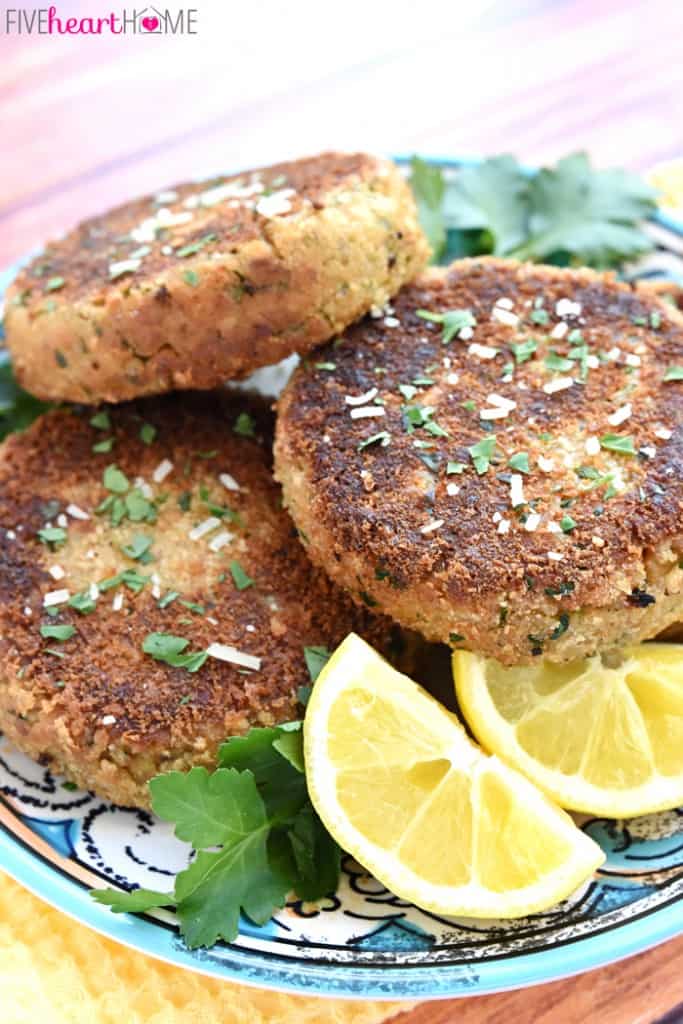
604, 740
400, 786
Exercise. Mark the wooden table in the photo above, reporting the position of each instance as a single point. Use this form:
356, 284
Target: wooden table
88, 121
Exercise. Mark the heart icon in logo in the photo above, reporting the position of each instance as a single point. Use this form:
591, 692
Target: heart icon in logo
150, 24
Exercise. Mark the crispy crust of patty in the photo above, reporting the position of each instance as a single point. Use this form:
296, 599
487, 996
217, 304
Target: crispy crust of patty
99, 709
237, 273
591, 559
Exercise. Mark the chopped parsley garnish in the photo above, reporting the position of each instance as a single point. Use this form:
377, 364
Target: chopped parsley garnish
101, 421
167, 599
673, 373
255, 834
82, 602
408, 391
452, 321
52, 535
456, 638
618, 443
240, 577
54, 284
557, 363
190, 277
101, 447
519, 462
171, 650
244, 425
481, 454
524, 350
132, 579
326, 366
138, 548
539, 316
194, 247
383, 438
568, 213
60, 633
455, 467
147, 433
114, 480
470, 405
567, 524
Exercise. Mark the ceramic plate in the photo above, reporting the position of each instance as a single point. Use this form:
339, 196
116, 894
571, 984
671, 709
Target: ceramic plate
363, 941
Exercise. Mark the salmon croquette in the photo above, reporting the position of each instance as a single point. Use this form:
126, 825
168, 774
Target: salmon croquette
154, 599
497, 460
207, 282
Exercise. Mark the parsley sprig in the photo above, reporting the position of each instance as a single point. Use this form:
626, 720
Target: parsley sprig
569, 213
255, 834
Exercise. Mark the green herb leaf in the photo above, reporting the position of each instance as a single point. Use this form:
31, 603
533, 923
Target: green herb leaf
101, 421
52, 535
674, 373
114, 480
18, 409
429, 189
239, 576
618, 443
567, 524
491, 196
524, 350
453, 321
138, 547
244, 425
520, 462
455, 467
481, 453
383, 438
60, 633
316, 658
137, 901
170, 649
147, 433
255, 809
104, 446
592, 215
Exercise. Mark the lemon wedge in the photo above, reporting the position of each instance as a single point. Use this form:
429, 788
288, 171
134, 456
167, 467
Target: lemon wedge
601, 738
402, 788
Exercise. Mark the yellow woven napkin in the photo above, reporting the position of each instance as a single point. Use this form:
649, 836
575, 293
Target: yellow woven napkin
55, 971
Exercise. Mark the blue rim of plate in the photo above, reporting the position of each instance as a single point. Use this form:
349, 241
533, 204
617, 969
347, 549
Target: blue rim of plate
322, 978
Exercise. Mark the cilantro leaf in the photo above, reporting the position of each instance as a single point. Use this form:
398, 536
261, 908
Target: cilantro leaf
673, 373
429, 187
